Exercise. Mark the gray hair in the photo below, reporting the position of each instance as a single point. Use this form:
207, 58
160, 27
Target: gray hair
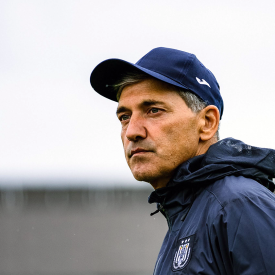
193, 102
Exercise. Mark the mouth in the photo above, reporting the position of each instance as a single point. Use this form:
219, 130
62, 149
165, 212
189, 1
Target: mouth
138, 151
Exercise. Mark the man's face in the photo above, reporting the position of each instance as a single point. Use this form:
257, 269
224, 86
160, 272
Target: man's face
159, 131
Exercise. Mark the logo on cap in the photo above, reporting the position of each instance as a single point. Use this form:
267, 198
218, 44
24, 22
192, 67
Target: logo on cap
203, 82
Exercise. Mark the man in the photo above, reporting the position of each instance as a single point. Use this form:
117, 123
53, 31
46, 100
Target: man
216, 195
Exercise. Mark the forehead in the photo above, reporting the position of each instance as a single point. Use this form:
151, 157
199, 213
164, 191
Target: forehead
149, 90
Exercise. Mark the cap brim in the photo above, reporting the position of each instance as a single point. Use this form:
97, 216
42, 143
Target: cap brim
110, 71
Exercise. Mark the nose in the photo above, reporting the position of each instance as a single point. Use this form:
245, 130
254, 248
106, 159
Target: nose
136, 129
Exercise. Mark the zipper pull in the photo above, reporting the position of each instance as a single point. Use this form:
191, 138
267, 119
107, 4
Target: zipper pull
155, 212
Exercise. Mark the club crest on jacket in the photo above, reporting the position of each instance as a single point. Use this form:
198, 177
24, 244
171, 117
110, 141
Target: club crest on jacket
183, 253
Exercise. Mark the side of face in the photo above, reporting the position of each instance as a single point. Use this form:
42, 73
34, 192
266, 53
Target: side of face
159, 131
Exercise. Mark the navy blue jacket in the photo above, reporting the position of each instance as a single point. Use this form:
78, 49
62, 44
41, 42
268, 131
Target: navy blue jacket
220, 212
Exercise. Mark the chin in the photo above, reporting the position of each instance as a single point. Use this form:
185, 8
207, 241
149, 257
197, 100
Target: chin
150, 171
144, 175
148, 174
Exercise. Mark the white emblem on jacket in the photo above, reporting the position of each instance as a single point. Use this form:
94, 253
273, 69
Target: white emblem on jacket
183, 253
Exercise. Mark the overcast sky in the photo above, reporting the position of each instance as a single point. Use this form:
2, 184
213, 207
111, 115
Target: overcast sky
55, 130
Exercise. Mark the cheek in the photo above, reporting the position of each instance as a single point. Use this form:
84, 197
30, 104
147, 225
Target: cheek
177, 142
125, 144
169, 135
123, 137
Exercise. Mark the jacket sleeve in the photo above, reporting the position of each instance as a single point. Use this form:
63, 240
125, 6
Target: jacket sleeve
242, 236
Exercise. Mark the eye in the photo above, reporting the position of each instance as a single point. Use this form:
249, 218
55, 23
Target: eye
124, 117
154, 110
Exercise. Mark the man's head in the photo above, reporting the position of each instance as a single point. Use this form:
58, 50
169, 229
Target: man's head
163, 124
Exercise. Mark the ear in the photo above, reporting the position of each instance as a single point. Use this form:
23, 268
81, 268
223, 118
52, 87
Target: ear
209, 119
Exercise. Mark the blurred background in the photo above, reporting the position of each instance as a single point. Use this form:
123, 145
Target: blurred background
68, 202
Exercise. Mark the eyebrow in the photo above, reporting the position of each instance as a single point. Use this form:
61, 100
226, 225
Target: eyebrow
121, 109
145, 103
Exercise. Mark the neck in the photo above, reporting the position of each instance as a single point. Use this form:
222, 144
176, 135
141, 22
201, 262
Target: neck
159, 183
204, 145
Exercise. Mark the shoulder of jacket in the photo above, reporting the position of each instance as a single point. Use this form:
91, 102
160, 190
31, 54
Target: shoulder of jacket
233, 188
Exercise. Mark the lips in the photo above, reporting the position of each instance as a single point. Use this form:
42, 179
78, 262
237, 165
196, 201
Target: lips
138, 150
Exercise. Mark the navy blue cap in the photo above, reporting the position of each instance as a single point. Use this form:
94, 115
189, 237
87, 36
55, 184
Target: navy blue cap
172, 66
